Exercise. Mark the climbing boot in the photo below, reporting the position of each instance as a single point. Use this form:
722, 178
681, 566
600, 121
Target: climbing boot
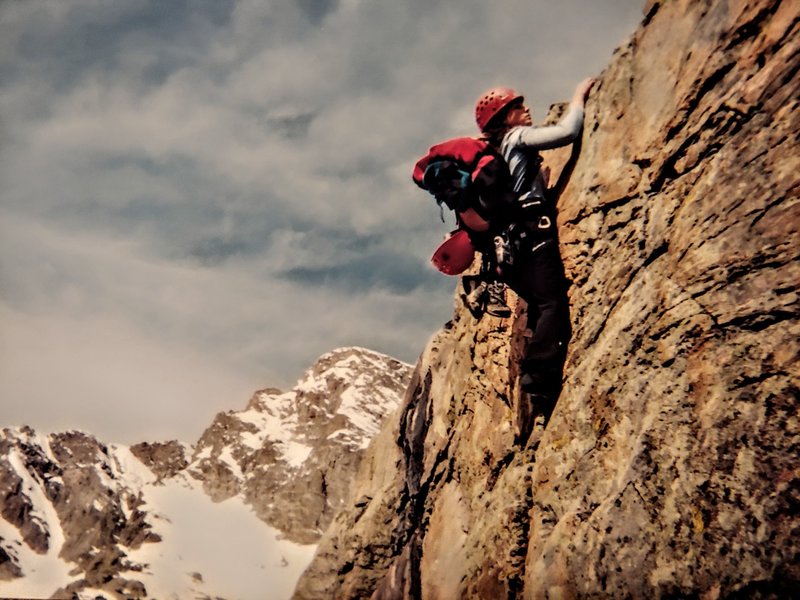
496, 300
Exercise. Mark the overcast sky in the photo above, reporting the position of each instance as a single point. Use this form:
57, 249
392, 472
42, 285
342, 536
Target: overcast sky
200, 197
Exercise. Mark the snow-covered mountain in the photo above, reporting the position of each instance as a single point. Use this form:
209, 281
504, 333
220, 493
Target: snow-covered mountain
232, 516
292, 455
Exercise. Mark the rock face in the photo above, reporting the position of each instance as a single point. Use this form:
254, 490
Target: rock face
82, 517
164, 459
669, 465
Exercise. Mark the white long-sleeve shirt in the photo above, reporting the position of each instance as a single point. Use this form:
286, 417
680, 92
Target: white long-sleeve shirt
521, 145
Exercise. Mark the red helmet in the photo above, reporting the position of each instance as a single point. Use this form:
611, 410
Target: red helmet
492, 102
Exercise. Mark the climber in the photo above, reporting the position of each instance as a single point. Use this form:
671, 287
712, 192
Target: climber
527, 247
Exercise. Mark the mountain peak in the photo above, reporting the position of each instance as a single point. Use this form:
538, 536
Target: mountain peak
303, 442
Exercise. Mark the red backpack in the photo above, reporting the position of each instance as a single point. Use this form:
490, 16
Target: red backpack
463, 173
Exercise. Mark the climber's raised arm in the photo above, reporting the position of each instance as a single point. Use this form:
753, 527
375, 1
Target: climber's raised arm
521, 133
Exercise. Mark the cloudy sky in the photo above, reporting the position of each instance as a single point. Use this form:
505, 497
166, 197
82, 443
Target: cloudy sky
199, 197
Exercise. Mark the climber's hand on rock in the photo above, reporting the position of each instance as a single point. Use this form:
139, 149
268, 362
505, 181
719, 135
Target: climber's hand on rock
582, 91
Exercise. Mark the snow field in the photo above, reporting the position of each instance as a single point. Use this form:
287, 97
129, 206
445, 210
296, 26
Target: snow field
236, 555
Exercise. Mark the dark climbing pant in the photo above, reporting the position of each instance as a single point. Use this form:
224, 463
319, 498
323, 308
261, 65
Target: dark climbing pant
539, 280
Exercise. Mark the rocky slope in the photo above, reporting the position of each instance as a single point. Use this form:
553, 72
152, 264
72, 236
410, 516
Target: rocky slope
68, 511
91, 519
668, 467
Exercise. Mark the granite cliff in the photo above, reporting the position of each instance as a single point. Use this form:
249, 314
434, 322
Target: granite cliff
668, 467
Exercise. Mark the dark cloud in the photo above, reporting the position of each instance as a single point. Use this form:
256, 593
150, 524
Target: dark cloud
292, 126
86, 37
396, 273
317, 10
214, 251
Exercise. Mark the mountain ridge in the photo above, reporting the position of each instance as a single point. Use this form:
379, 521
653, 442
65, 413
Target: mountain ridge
84, 518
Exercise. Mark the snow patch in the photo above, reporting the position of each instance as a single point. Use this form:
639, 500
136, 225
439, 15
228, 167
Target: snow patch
94, 594
227, 459
203, 454
237, 555
295, 453
129, 470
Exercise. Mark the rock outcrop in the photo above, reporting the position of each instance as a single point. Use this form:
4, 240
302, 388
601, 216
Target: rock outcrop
164, 459
669, 465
